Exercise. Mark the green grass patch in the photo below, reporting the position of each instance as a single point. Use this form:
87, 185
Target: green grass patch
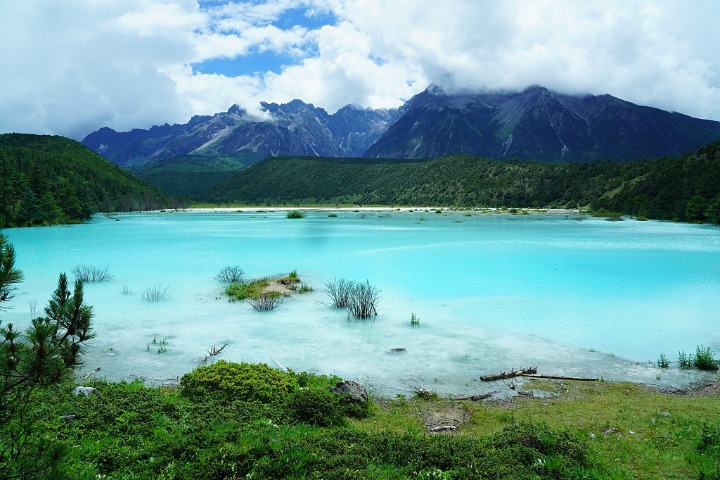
244, 291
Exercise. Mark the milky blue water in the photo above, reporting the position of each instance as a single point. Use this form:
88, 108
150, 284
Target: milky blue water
492, 292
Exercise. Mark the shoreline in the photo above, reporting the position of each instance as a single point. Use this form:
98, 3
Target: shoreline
384, 209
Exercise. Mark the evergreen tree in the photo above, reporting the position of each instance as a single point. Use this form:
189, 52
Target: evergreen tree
45, 355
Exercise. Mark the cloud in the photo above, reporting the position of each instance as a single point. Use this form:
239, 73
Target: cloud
72, 67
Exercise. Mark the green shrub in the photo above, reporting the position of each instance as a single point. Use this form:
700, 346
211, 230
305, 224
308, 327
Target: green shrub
705, 359
295, 214
685, 361
237, 381
304, 288
663, 362
317, 407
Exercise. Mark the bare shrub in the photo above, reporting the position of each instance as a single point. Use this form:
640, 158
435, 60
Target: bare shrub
156, 293
231, 275
89, 273
339, 291
363, 299
266, 302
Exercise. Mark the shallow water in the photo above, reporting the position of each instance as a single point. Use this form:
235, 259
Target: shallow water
493, 292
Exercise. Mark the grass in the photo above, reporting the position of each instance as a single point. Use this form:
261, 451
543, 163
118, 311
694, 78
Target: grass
262, 423
661, 447
244, 291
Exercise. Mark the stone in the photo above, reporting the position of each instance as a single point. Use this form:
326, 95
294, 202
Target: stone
79, 390
354, 390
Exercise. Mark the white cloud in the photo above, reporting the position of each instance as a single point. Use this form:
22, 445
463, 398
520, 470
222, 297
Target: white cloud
72, 67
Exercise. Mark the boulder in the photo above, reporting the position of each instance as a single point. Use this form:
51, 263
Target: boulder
354, 390
80, 390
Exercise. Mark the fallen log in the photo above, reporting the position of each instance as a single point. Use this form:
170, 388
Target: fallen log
510, 374
561, 377
443, 428
475, 398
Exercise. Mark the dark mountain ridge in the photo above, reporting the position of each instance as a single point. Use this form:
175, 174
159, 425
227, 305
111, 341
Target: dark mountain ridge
538, 124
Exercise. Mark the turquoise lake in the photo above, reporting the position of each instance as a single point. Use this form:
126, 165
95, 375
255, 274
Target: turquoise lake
580, 297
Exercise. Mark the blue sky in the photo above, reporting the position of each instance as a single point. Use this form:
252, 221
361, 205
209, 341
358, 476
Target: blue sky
72, 67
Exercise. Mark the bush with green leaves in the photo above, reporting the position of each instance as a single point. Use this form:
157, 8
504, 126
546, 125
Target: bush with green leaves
704, 359
318, 407
237, 381
295, 214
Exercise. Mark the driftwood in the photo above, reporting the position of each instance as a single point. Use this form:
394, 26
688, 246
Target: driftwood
510, 374
91, 373
443, 428
475, 398
561, 377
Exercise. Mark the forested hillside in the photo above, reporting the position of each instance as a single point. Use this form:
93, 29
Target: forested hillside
47, 180
685, 187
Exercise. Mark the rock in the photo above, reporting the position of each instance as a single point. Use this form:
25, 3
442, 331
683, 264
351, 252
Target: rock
664, 414
354, 390
79, 390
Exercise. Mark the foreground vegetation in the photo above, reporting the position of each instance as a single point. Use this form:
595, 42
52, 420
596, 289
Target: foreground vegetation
685, 188
252, 421
47, 180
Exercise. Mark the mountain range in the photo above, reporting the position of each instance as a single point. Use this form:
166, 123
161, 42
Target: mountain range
294, 128
536, 124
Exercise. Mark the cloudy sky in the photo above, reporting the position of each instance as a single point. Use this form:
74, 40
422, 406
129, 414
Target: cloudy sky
70, 67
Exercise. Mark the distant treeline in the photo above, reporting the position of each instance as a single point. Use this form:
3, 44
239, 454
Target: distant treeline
684, 188
46, 180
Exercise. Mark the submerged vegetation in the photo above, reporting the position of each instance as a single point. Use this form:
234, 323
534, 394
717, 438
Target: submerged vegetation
359, 298
92, 274
266, 301
230, 274
156, 293
295, 214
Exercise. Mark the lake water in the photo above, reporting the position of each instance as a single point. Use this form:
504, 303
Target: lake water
492, 292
